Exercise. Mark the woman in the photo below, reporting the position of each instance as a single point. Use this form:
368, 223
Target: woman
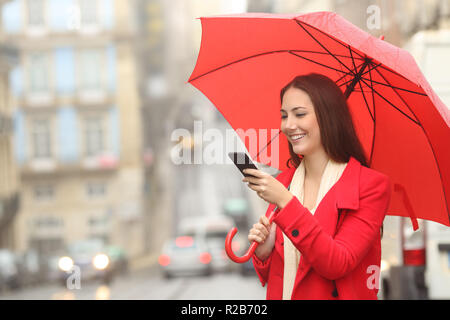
325, 242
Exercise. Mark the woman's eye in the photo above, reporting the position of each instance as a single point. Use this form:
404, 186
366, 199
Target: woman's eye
298, 115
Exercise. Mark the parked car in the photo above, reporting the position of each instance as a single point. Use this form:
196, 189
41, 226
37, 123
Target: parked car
29, 268
9, 272
92, 259
185, 255
51, 269
213, 230
119, 259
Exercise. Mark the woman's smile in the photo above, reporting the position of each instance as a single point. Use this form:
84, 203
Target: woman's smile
297, 138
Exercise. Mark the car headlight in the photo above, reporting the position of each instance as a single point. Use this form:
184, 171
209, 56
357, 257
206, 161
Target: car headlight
65, 263
101, 261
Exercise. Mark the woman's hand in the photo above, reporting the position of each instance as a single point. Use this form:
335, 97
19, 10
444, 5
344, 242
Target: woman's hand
267, 187
263, 233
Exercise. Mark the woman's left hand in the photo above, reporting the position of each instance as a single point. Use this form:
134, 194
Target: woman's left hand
268, 188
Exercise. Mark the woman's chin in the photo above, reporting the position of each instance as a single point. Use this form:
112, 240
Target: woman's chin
299, 151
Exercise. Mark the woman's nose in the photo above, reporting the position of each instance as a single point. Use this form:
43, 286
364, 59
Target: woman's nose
290, 123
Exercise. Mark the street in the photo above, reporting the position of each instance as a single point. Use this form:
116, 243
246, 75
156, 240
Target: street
151, 286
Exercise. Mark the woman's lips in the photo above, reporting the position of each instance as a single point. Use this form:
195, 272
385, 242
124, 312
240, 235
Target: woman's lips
297, 138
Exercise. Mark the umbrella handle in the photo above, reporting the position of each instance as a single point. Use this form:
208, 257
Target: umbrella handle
250, 251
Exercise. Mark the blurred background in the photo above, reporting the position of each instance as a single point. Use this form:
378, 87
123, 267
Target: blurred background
92, 205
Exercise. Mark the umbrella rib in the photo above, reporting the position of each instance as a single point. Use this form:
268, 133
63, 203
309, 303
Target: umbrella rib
373, 89
396, 92
370, 68
343, 76
374, 117
332, 38
394, 87
265, 53
321, 64
266, 145
344, 45
394, 72
318, 52
360, 86
343, 64
237, 61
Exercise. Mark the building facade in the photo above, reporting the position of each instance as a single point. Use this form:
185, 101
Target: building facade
9, 181
77, 124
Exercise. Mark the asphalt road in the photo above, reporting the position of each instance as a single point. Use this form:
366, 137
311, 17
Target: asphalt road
151, 286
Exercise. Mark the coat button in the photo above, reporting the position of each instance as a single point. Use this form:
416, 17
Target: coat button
294, 233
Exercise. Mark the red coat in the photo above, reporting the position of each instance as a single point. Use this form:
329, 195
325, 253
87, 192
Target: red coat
339, 259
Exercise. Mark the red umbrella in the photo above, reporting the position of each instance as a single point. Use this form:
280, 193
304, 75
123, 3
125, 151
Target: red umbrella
246, 59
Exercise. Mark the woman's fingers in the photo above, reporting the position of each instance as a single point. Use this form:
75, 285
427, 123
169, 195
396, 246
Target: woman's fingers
265, 221
252, 237
254, 172
262, 228
258, 233
261, 232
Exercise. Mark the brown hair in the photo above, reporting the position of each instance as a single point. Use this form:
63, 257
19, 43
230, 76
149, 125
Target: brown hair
337, 132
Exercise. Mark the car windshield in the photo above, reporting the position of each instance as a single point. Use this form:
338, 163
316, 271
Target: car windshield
221, 235
174, 247
86, 246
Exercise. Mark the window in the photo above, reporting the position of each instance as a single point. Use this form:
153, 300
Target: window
44, 192
47, 246
35, 13
41, 138
95, 189
90, 69
38, 72
88, 10
96, 221
48, 222
94, 136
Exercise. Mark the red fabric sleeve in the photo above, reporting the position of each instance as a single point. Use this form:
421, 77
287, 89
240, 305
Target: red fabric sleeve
335, 257
262, 268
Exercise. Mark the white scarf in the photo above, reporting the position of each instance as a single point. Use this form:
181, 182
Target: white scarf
330, 176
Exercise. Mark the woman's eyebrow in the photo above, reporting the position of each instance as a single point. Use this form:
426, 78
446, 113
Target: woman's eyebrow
294, 109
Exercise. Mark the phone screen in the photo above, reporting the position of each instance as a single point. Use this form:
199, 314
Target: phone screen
242, 161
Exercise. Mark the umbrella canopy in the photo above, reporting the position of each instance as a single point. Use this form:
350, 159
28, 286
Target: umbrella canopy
246, 59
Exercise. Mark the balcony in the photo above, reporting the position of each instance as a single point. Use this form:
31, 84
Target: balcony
52, 167
39, 99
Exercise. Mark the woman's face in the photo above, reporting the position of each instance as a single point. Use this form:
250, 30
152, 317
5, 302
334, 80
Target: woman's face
298, 118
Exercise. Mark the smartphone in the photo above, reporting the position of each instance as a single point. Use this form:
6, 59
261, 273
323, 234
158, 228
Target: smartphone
242, 161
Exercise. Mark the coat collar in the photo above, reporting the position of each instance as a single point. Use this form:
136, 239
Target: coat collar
346, 188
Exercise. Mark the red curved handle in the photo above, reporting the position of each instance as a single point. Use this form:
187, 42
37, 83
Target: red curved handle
250, 251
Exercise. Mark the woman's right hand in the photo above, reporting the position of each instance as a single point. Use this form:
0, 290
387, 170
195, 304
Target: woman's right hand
263, 233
